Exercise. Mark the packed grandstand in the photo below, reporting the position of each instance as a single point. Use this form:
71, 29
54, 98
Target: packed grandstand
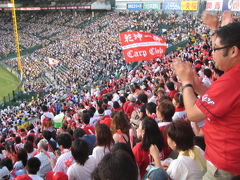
103, 119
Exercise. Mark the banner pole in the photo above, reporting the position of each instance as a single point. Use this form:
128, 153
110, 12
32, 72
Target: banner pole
128, 71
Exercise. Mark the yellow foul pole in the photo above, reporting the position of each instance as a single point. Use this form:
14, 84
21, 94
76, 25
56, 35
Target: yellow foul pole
14, 19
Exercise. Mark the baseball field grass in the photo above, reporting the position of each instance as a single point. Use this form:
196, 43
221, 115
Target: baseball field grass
8, 83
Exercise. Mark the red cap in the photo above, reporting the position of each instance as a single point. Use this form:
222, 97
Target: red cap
107, 121
99, 97
198, 66
32, 134
56, 175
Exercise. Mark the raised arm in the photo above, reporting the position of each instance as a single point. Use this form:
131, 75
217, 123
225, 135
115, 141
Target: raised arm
185, 73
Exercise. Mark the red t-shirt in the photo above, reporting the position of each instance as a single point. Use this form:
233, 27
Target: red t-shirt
125, 106
89, 129
141, 157
118, 109
172, 93
23, 177
221, 105
51, 109
106, 120
130, 109
166, 150
105, 91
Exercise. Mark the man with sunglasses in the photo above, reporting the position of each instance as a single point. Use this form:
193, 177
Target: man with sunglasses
219, 104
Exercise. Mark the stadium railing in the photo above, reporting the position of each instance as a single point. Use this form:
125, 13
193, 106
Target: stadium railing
23, 52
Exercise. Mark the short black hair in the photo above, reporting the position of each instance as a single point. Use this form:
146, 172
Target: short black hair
105, 100
33, 165
116, 105
143, 110
85, 117
18, 140
22, 156
123, 146
178, 97
70, 131
180, 131
28, 146
218, 71
47, 135
91, 111
65, 140
44, 108
166, 109
170, 85
109, 97
100, 110
7, 162
122, 99
151, 107
206, 62
78, 133
116, 166
9, 146
79, 151
136, 86
207, 72
143, 98
30, 138
37, 140
230, 34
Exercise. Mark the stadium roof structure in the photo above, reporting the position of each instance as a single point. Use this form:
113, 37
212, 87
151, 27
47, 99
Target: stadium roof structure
46, 3
56, 4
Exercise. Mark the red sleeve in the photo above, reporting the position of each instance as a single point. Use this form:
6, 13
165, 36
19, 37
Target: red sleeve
92, 129
141, 158
220, 98
166, 150
89, 130
106, 121
125, 106
129, 110
137, 153
162, 129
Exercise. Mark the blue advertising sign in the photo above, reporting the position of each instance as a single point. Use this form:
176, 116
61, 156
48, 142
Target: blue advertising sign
151, 5
233, 5
171, 5
225, 5
134, 6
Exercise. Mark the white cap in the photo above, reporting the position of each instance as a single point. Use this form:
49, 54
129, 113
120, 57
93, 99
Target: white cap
131, 98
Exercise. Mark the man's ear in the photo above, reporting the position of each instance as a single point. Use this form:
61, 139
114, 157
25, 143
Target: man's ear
235, 51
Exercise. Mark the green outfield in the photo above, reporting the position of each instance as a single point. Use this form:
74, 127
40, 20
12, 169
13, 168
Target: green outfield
8, 83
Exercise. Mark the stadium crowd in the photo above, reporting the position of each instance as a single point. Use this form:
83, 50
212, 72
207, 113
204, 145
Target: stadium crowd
146, 124
95, 44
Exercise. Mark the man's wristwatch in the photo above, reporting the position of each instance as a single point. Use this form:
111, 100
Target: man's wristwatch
187, 85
